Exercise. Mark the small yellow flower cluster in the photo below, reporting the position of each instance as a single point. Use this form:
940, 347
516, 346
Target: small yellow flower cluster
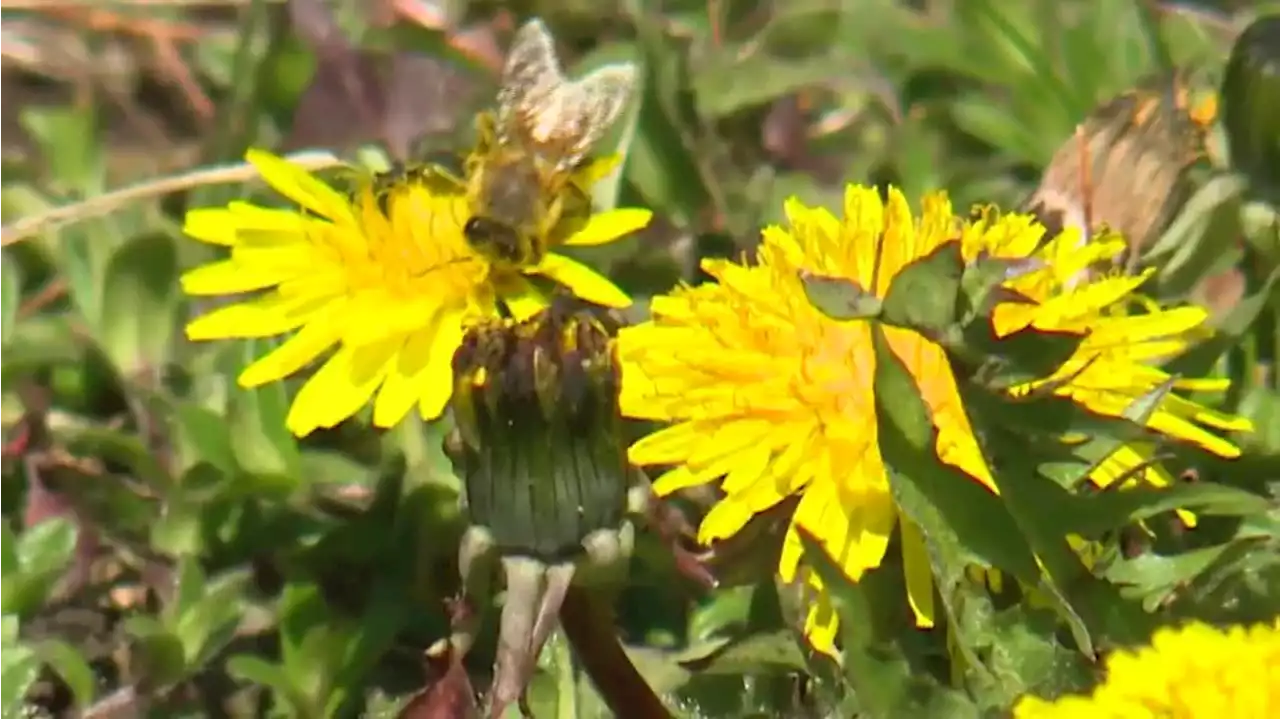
391, 282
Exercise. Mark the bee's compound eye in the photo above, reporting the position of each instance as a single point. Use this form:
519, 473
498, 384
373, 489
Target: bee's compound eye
475, 230
493, 237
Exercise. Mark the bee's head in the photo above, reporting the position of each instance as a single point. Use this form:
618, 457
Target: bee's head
497, 240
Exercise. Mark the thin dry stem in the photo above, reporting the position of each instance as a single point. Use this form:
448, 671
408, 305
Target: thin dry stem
109, 202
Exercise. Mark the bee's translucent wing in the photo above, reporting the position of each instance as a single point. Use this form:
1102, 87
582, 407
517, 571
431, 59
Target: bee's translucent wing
562, 120
530, 78
597, 101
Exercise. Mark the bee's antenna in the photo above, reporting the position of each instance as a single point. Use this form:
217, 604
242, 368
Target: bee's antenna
451, 263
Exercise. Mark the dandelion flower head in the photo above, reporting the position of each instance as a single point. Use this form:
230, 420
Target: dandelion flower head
1188, 672
381, 287
774, 399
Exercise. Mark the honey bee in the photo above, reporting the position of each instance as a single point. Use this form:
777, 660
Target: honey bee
1126, 165
519, 178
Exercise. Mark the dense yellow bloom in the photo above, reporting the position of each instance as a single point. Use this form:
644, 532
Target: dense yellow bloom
392, 290
776, 399
1192, 672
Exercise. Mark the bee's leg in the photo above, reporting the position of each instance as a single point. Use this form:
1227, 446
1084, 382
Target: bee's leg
520, 612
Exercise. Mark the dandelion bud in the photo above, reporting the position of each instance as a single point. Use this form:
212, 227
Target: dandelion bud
541, 455
1251, 102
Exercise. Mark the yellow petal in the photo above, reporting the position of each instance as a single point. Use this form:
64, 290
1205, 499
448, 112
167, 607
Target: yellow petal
724, 520
582, 281
596, 170
301, 186
821, 625
230, 277
398, 393
915, 561
669, 445
522, 299
377, 315
853, 530
606, 227
931, 370
749, 466
410, 376
435, 386
342, 386
676, 479
215, 225
265, 316
316, 336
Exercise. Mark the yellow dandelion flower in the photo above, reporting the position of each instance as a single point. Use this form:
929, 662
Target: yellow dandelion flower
391, 290
774, 398
1191, 672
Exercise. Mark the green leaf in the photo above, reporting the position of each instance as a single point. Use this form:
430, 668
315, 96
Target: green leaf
753, 654
875, 664
68, 138
1251, 102
256, 671
157, 650
189, 589
924, 295
1199, 361
660, 165
1261, 406
1023, 655
71, 667
82, 253
10, 295
19, 669
1010, 32
205, 437
8, 626
206, 619
1029, 496
1155, 578
1203, 230
314, 642
1092, 516
358, 651
46, 548
727, 82
10, 562
179, 530
1017, 358
839, 298
260, 440
940, 499
140, 301
722, 612
992, 123
41, 342
128, 449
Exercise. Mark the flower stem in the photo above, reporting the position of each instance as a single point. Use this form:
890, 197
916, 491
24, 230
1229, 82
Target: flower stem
590, 632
